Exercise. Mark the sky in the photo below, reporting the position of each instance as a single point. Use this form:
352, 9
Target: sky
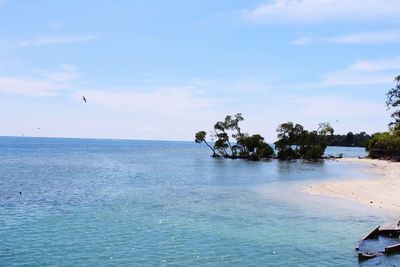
163, 70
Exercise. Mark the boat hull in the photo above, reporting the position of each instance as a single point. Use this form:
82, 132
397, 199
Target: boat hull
381, 241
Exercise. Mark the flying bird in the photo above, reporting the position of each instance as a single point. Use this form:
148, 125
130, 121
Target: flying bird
84, 99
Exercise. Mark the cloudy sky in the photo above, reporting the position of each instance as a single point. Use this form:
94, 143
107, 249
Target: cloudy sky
165, 69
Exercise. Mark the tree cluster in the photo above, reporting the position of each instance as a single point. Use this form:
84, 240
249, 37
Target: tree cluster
294, 142
386, 145
349, 139
243, 146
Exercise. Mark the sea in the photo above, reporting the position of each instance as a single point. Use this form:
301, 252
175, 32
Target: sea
91, 202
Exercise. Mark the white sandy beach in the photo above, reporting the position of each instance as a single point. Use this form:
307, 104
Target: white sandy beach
381, 192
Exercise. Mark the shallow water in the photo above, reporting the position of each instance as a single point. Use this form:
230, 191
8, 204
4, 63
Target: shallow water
148, 203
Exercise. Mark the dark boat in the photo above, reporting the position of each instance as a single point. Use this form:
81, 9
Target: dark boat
381, 241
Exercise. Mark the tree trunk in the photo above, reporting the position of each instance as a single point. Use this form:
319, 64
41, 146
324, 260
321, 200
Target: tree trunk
214, 154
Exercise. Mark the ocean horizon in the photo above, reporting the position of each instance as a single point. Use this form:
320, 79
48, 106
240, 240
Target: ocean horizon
102, 202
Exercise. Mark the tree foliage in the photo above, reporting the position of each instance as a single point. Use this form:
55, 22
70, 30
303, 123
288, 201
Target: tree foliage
294, 142
393, 102
386, 145
349, 139
200, 137
243, 146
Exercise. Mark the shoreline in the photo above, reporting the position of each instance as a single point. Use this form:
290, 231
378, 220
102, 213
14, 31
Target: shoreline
381, 192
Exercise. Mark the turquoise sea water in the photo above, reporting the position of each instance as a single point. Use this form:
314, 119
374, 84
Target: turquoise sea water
148, 203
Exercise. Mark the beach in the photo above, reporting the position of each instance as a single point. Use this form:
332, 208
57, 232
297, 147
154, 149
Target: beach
381, 191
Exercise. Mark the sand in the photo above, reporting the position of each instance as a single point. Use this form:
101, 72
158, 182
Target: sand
382, 191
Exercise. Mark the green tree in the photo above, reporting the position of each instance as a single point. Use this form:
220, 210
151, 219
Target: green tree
314, 153
324, 129
289, 140
387, 144
257, 148
200, 137
232, 123
247, 147
393, 102
294, 142
221, 144
349, 139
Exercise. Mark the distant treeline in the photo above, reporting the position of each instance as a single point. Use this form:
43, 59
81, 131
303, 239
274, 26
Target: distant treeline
349, 139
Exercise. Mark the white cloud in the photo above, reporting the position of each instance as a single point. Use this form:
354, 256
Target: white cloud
345, 114
367, 38
159, 101
349, 77
56, 26
40, 83
364, 73
65, 73
355, 38
329, 106
177, 112
289, 11
163, 113
168, 113
377, 65
26, 86
54, 40
303, 41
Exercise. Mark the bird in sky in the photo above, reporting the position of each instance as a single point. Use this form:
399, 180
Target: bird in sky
84, 99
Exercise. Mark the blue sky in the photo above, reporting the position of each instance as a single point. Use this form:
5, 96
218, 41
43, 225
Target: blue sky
165, 69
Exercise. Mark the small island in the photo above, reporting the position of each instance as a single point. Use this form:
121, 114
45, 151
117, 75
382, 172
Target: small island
294, 142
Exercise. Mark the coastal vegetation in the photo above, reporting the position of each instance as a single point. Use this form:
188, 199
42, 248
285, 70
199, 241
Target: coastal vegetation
349, 140
294, 142
386, 145
243, 146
